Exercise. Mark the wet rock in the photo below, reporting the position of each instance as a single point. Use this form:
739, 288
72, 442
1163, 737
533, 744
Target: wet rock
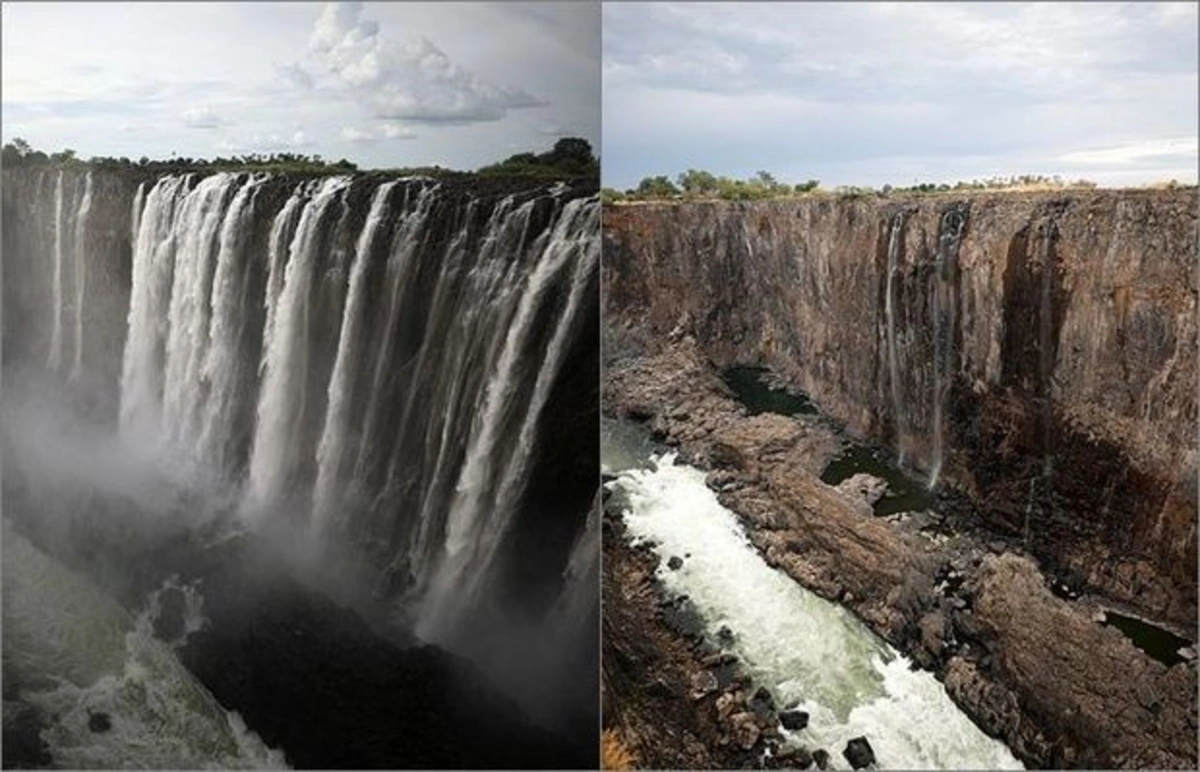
23, 746
793, 720
858, 753
762, 701
725, 635
99, 722
704, 683
727, 704
794, 758
821, 758
675, 563
745, 730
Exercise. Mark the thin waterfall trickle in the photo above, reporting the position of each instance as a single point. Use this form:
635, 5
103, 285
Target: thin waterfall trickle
54, 361
945, 308
81, 260
889, 307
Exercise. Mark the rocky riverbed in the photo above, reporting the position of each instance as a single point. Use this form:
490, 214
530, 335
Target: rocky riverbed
1031, 668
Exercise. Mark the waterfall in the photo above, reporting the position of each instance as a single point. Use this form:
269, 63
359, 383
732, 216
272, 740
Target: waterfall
334, 441
889, 307
945, 308
222, 368
81, 258
281, 405
374, 358
54, 361
482, 508
150, 297
1046, 352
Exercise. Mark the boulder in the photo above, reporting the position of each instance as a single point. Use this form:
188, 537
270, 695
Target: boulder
858, 753
793, 720
675, 563
864, 487
821, 758
704, 683
745, 730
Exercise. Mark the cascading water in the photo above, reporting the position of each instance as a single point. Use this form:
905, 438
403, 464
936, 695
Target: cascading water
945, 310
367, 362
889, 306
81, 271
54, 360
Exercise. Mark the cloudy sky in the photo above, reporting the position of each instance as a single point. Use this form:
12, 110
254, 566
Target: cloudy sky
874, 93
383, 84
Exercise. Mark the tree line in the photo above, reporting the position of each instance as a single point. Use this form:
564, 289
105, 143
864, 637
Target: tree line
570, 157
697, 184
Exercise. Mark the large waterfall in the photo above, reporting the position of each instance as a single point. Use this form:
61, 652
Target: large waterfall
390, 371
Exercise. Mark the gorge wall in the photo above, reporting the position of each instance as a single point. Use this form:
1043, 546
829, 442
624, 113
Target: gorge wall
1036, 351
399, 371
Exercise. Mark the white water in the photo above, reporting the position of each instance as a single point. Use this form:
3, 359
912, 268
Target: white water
81, 259
221, 367
801, 647
54, 361
75, 651
889, 306
478, 522
347, 363
944, 324
283, 401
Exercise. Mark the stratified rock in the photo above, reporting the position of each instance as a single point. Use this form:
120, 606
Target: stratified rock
858, 753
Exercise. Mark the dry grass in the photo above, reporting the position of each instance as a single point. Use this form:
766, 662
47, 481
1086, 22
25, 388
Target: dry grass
613, 753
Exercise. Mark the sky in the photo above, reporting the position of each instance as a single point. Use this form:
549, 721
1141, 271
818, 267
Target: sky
381, 84
900, 93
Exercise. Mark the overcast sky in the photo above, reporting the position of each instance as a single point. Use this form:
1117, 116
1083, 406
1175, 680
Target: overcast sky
383, 84
874, 93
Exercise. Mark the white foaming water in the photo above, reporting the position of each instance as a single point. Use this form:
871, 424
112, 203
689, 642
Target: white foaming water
478, 522
75, 652
282, 400
801, 647
221, 367
346, 366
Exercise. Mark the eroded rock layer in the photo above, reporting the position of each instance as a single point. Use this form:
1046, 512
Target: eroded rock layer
1035, 351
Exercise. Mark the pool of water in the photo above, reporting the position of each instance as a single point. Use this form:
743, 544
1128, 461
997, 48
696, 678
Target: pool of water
1161, 644
904, 494
759, 397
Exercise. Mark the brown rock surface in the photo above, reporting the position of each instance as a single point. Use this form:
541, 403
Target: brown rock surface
1066, 324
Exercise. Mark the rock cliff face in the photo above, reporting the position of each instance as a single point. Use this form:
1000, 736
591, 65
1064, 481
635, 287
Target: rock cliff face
1035, 351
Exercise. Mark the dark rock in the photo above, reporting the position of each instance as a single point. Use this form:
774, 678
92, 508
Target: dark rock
793, 720
675, 563
858, 753
23, 746
725, 635
821, 758
762, 702
99, 722
661, 689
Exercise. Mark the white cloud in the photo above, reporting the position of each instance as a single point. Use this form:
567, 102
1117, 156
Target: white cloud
411, 79
1137, 152
386, 131
202, 117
